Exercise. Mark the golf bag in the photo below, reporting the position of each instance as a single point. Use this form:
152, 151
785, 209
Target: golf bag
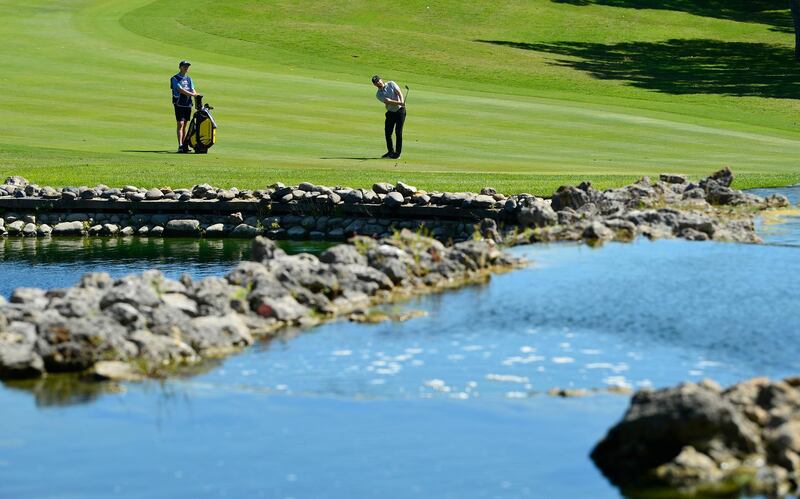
202, 132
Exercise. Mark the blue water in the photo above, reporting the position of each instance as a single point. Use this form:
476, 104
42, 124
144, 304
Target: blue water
449, 405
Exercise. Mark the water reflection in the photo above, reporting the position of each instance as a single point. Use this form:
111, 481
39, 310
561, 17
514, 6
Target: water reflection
59, 262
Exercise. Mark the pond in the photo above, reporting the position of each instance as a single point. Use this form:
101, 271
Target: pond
453, 404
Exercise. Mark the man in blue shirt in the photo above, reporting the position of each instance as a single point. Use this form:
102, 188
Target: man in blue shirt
182, 93
389, 93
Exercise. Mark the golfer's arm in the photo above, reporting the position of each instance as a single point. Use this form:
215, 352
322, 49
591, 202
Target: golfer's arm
184, 92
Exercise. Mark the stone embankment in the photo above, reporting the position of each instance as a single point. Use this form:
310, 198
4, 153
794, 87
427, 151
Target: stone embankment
144, 325
703, 439
669, 207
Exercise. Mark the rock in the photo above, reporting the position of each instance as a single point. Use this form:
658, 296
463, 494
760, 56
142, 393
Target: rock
244, 230
156, 231
597, 231
265, 249
15, 228
404, 189
296, 233
44, 230
672, 178
722, 177
215, 230
659, 424
214, 336
393, 200
16, 181
182, 227
153, 194
488, 229
284, 308
481, 202
535, 212
569, 197
127, 231
225, 195
306, 187
18, 358
382, 188
343, 254
109, 229
354, 197
116, 371
180, 302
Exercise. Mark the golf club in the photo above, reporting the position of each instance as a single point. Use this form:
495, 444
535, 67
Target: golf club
408, 90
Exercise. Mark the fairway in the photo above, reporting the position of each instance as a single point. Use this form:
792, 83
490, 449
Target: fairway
522, 97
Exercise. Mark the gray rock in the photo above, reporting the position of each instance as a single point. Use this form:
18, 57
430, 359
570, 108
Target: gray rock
405, 189
382, 188
127, 231
568, 196
215, 230
18, 358
115, 370
214, 336
44, 230
15, 228
284, 308
163, 350
345, 254
394, 199
244, 230
154, 194
659, 424
536, 212
481, 202
182, 227
225, 195
156, 231
672, 178
16, 180
180, 302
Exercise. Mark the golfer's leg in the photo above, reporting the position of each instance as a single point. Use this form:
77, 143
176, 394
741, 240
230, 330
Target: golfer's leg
181, 129
388, 126
401, 119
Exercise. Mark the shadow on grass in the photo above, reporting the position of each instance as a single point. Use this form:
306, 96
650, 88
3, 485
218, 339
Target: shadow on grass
357, 159
774, 13
149, 152
697, 66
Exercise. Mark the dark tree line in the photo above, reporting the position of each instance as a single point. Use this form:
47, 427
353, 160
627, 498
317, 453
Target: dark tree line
795, 6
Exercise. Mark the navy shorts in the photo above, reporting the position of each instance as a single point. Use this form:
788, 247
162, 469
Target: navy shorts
182, 113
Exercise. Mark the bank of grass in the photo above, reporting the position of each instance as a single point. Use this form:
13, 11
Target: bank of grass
523, 96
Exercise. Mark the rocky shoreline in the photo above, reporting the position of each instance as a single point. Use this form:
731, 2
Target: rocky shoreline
671, 206
145, 325
698, 438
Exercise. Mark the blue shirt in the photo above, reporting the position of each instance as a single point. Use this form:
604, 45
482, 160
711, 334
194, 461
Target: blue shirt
184, 82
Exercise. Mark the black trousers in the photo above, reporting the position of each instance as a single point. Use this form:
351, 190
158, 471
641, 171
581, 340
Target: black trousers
394, 122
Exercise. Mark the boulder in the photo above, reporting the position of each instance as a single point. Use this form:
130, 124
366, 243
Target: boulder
536, 212
182, 227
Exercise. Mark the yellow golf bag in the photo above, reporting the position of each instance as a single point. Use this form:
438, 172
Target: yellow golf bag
202, 132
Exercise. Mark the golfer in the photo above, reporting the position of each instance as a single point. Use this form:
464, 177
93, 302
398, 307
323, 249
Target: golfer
182, 93
389, 93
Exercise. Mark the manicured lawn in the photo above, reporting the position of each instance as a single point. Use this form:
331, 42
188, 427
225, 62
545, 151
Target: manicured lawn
523, 97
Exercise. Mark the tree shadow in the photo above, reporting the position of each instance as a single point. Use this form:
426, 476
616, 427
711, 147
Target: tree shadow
774, 13
696, 66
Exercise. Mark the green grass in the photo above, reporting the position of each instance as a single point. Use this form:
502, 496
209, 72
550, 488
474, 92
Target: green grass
522, 96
